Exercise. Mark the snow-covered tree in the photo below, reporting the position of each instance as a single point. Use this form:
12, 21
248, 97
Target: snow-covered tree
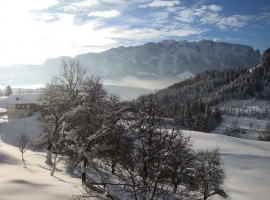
83, 130
118, 141
160, 156
57, 100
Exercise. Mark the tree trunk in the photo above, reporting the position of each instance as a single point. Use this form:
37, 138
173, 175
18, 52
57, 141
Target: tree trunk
85, 161
53, 169
175, 186
204, 196
113, 167
54, 165
23, 160
49, 155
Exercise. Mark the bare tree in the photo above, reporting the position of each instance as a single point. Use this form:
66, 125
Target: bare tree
210, 175
181, 165
22, 142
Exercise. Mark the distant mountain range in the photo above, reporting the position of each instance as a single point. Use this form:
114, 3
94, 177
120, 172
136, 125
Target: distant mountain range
152, 65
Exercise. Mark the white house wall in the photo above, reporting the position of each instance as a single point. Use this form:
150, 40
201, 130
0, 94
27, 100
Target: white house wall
11, 109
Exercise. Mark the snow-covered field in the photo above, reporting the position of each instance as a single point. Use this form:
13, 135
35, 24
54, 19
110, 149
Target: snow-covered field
10, 128
246, 162
250, 127
33, 182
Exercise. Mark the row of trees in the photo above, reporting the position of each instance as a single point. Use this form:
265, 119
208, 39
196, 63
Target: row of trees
148, 160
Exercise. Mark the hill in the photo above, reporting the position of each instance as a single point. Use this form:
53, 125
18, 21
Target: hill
191, 100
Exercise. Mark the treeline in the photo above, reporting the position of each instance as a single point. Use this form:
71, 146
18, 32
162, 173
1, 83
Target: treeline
88, 129
194, 99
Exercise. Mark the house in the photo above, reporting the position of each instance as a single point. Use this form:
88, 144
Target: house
21, 104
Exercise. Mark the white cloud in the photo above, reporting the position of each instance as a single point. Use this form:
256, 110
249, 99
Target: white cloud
87, 3
236, 21
186, 15
185, 32
105, 14
25, 40
162, 3
215, 8
210, 14
136, 33
46, 17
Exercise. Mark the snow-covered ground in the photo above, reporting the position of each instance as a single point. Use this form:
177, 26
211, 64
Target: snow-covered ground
33, 182
10, 128
250, 127
246, 162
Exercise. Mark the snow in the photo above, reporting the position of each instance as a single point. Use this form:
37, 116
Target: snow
21, 99
229, 145
250, 127
246, 162
248, 177
33, 182
12, 127
244, 122
3, 110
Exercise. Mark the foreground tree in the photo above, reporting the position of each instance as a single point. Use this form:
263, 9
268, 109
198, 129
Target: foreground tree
151, 166
57, 100
84, 128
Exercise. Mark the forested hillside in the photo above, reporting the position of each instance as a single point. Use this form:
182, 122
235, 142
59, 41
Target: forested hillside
191, 102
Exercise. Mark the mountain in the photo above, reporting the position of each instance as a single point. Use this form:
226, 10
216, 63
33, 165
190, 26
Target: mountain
158, 65
169, 58
151, 66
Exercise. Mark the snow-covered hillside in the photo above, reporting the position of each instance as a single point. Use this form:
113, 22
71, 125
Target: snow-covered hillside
33, 182
246, 162
12, 127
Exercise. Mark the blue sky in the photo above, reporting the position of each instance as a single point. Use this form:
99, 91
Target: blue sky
34, 30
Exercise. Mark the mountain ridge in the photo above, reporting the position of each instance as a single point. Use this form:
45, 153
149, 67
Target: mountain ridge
151, 65
169, 57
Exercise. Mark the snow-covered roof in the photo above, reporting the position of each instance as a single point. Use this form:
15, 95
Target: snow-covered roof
21, 99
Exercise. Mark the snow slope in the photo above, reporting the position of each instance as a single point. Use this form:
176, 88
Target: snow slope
246, 162
33, 182
12, 127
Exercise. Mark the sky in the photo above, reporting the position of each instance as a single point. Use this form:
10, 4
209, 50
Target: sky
35, 30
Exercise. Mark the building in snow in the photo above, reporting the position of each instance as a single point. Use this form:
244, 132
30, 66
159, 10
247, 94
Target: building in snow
21, 104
